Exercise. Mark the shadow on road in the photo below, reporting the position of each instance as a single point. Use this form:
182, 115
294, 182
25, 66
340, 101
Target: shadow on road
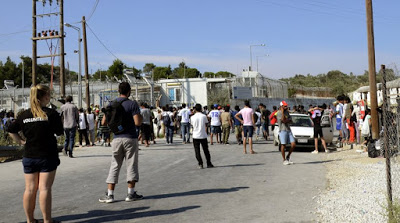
196, 192
238, 165
96, 216
318, 162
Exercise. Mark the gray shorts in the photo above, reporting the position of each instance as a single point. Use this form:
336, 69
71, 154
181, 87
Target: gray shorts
124, 149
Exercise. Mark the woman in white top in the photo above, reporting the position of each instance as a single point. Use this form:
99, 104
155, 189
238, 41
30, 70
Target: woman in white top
83, 127
91, 122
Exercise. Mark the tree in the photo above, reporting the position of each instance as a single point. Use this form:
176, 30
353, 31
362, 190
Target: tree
148, 68
162, 72
224, 74
116, 69
208, 74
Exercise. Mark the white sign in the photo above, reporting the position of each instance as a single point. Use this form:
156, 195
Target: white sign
242, 93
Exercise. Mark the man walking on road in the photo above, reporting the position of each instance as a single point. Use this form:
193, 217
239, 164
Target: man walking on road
184, 113
199, 122
70, 116
248, 125
285, 134
125, 147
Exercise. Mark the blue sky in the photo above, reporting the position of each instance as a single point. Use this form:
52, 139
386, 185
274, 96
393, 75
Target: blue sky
301, 36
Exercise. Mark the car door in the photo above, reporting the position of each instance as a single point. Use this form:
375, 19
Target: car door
327, 129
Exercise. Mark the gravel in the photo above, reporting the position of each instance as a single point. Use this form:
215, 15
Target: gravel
356, 188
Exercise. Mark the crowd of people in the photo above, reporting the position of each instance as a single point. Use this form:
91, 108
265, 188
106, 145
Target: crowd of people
36, 128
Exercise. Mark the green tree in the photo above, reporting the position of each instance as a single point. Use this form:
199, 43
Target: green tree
116, 69
162, 72
224, 74
148, 68
208, 74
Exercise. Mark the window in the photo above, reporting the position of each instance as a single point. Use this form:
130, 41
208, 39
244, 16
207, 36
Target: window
174, 94
171, 94
177, 94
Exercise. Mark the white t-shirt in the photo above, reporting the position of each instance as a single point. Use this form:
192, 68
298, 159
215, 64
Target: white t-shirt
82, 123
90, 119
199, 122
184, 113
258, 121
365, 127
215, 117
339, 109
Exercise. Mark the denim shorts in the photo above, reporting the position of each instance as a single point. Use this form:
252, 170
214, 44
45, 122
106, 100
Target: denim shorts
216, 129
285, 137
34, 165
248, 131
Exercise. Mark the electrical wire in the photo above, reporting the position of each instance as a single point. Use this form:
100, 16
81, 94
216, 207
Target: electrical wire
101, 41
338, 11
93, 10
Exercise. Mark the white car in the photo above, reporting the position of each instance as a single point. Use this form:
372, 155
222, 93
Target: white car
303, 130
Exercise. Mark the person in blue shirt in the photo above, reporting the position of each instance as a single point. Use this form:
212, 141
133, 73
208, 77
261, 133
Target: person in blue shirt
237, 125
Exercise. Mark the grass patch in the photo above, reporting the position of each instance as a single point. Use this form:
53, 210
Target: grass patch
393, 211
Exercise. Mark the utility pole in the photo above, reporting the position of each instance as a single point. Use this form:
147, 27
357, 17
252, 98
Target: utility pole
372, 70
86, 61
62, 65
34, 43
48, 35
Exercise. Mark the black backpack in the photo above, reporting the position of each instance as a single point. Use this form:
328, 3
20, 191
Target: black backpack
166, 120
116, 117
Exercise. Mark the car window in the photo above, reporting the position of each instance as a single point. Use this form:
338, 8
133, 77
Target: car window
301, 121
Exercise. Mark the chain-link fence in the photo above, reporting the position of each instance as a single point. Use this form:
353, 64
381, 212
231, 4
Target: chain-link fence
390, 140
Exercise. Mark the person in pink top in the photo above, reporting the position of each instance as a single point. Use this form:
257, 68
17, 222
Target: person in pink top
248, 125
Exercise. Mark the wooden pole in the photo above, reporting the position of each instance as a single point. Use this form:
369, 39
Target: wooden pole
62, 63
371, 70
34, 44
86, 61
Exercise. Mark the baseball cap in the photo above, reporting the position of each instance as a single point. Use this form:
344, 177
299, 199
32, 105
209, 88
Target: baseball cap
283, 103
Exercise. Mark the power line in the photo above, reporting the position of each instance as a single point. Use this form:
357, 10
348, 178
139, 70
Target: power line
93, 10
101, 41
14, 33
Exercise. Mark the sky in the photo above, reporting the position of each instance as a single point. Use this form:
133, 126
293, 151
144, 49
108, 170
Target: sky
300, 36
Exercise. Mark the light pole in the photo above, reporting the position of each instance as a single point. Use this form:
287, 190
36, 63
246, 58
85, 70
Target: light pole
14, 98
266, 55
80, 69
23, 80
99, 70
251, 56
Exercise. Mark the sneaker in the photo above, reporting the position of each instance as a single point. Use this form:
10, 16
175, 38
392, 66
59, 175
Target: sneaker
133, 197
210, 165
201, 167
65, 152
315, 152
107, 198
327, 151
289, 161
286, 162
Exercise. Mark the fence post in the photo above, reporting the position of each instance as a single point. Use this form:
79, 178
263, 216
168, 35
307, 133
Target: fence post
385, 113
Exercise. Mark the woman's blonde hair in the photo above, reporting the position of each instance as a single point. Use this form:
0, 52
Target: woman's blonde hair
37, 93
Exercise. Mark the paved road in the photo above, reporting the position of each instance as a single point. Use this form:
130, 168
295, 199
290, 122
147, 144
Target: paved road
241, 188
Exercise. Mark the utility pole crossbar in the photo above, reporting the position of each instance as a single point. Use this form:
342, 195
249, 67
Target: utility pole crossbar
47, 14
46, 37
52, 55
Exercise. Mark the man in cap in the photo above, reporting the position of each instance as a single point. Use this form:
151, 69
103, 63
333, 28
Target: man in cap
285, 133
